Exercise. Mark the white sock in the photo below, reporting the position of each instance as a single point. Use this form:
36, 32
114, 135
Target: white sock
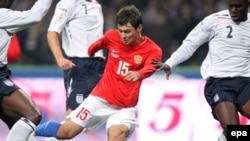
32, 137
52, 139
222, 137
21, 130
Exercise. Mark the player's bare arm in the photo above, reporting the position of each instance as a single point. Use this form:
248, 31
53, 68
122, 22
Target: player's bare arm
54, 44
161, 66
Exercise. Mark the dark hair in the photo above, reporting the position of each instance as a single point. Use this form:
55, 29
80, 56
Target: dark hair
129, 14
247, 1
8, 3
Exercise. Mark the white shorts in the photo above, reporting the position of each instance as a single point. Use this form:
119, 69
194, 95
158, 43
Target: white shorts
95, 111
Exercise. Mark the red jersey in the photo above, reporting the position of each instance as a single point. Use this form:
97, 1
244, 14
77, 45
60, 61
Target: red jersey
123, 58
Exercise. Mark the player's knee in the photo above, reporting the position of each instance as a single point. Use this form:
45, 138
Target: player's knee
118, 133
34, 116
245, 110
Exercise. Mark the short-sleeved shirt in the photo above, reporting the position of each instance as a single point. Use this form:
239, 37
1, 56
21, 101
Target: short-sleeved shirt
80, 23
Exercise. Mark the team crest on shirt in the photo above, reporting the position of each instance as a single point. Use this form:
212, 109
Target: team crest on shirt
137, 59
8, 83
79, 98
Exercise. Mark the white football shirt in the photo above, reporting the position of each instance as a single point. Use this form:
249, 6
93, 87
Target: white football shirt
80, 23
229, 46
13, 21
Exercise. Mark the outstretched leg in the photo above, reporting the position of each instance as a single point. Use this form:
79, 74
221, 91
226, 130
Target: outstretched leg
245, 110
222, 137
22, 113
227, 114
52, 128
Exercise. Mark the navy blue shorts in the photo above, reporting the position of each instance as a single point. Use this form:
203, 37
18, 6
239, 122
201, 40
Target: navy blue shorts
7, 86
235, 90
81, 79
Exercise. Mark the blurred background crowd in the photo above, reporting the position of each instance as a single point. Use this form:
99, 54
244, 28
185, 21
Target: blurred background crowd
167, 22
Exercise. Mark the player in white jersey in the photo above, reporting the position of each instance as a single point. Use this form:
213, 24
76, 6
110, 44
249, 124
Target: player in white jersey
18, 110
226, 67
77, 24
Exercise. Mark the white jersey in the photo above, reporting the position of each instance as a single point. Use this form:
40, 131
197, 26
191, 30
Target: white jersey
13, 21
80, 23
229, 46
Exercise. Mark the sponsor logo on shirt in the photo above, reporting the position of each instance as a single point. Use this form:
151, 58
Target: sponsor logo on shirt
114, 53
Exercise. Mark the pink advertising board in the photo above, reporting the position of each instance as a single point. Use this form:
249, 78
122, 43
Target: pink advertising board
169, 110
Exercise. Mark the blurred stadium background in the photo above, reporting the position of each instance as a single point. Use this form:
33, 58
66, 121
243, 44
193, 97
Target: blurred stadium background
173, 110
167, 22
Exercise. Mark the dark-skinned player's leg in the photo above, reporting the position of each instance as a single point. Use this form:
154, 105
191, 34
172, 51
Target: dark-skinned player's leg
22, 113
227, 114
245, 110
244, 99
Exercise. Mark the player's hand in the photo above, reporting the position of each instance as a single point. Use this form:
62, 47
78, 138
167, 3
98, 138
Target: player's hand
65, 64
132, 76
161, 66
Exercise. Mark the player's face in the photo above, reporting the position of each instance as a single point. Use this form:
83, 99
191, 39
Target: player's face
238, 9
129, 35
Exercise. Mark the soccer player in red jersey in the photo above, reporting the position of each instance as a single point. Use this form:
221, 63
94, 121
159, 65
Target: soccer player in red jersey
114, 98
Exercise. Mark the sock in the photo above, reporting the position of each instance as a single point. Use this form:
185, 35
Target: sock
222, 137
52, 139
32, 137
48, 129
21, 130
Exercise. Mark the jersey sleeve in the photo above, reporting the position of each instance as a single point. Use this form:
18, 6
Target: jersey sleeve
101, 43
63, 13
14, 21
148, 69
97, 45
201, 34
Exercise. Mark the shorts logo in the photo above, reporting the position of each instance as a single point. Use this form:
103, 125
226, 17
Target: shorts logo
79, 98
8, 83
216, 97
